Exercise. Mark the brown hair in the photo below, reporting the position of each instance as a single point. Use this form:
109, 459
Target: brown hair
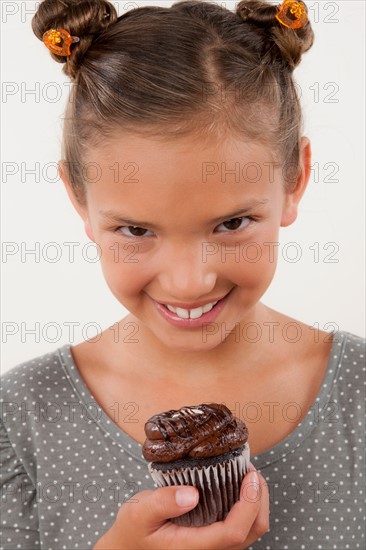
195, 68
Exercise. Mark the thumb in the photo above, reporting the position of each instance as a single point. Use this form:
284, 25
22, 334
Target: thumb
168, 502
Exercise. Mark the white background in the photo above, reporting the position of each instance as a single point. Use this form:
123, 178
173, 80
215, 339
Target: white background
36, 209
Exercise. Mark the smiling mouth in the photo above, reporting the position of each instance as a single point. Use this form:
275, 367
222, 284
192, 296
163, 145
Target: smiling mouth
195, 313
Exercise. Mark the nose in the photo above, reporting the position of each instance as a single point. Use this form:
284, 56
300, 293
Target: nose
184, 276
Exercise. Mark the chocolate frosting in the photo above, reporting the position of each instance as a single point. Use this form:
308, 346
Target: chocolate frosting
197, 431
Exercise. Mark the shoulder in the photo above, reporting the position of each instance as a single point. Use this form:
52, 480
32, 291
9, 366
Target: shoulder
347, 362
33, 392
26, 380
358, 340
353, 346
345, 376
27, 389
348, 350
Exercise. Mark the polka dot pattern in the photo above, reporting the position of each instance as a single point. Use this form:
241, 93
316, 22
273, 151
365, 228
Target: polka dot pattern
67, 467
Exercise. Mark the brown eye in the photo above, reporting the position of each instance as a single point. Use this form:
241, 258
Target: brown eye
235, 223
134, 231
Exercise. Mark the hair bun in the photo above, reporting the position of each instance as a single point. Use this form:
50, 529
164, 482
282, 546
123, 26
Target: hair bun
291, 43
82, 18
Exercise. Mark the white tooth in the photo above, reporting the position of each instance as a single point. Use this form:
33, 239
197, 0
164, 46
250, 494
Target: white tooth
195, 313
182, 313
208, 307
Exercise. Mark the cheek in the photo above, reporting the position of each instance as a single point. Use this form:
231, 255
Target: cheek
122, 269
254, 263
255, 268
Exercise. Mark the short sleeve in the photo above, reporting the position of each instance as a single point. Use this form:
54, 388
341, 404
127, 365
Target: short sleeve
18, 506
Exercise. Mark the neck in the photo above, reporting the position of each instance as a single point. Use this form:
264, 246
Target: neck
238, 352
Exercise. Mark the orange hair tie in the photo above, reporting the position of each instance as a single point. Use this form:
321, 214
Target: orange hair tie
59, 41
292, 14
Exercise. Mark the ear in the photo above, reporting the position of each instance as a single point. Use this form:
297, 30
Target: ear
79, 207
292, 199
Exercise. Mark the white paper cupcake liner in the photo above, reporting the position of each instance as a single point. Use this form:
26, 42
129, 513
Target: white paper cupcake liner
218, 486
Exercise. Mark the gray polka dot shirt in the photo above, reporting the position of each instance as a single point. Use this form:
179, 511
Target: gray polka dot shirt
67, 467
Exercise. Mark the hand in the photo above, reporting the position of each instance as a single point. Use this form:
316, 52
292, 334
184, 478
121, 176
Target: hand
144, 524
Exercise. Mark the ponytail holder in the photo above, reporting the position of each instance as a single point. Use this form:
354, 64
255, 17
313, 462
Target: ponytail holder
292, 14
59, 41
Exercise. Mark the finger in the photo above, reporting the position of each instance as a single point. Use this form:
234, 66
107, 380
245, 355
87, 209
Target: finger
252, 467
234, 530
155, 507
261, 524
250, 494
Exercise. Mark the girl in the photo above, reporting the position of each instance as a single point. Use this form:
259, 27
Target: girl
165, 102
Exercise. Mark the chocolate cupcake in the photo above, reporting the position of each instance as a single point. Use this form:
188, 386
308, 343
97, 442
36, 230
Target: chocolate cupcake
201, 445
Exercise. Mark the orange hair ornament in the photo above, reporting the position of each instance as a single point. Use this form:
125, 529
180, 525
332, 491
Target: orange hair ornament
292, 14
59, 41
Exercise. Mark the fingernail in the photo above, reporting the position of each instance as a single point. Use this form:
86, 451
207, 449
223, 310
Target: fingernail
186, 497
252, 490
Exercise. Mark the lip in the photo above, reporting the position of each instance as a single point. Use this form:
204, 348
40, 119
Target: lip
208, 317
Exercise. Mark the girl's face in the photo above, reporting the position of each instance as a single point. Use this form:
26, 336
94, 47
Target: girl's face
186, 223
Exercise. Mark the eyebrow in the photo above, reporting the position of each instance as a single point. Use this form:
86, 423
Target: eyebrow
117, 218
